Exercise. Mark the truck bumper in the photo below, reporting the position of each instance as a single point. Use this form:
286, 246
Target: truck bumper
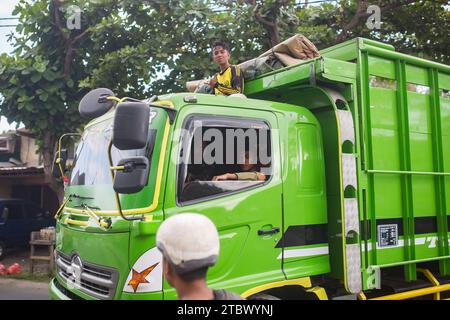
55, 293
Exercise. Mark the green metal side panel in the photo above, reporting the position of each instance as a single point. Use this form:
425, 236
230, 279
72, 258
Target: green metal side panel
405, 130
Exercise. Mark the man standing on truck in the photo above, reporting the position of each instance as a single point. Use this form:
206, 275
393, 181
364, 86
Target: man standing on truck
229, 80
189, 244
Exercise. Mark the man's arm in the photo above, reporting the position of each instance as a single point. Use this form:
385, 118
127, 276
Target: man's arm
249, 176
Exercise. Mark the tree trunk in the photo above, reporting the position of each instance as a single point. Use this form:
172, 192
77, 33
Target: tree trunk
48, 151
273, 33
271, 27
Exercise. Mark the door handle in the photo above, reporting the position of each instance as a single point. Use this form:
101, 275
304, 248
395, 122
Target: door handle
270, 231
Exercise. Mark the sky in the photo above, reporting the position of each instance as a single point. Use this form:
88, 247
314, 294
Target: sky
6, 8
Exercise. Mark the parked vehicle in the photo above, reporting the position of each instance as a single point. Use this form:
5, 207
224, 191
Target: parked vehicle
355, 199
18, 218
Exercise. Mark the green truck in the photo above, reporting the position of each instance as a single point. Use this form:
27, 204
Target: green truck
355, 202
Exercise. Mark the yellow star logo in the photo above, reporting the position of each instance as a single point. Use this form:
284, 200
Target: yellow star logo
139, 277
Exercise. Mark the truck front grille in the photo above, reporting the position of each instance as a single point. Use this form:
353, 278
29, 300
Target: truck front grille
67, 293
97, 281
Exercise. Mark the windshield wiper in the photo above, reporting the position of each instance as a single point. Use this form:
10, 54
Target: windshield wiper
83, 205
102, 222
73, 195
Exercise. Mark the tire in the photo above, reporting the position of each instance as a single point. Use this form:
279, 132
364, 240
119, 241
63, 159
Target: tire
2, 250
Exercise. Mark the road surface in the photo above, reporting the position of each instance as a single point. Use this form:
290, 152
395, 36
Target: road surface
12, 289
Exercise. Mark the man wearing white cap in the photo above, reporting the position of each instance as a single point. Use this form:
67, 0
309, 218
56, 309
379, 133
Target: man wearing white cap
189, 244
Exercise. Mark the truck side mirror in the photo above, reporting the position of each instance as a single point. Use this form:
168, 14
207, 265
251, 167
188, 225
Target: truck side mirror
130, 129
96, 103
59, 159
133, 176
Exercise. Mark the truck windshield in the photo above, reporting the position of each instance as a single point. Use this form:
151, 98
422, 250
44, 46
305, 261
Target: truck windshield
91, 166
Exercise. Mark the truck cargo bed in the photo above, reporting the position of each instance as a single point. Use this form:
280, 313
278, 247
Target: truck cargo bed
400, 111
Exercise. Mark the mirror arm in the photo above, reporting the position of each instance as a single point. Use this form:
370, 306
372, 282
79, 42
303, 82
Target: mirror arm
58, 213
105, 98
117, 168
58, 160
171, 112
116, 195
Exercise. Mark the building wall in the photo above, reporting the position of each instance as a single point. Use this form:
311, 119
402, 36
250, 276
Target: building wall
28, 152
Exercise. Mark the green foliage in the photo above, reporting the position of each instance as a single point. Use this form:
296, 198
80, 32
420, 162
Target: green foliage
420, 28
35, 93
141, 48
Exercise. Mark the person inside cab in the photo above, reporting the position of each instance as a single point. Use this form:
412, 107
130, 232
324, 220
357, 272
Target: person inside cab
200, 171
249, 171
189, 244
229, 80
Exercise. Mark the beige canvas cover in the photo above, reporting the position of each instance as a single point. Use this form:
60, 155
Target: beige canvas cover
293, 50
289, 52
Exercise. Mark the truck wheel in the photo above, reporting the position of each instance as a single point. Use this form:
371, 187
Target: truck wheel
263, 296
2, 250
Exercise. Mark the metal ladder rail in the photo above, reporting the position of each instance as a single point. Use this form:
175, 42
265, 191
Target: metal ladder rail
352, 254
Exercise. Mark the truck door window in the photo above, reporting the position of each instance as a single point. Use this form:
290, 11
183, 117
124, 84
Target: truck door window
222, 155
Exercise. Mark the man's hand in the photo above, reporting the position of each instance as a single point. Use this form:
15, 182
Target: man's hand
213, 82
226, 176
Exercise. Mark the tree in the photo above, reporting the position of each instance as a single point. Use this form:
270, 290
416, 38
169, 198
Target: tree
141, 48
417, 27
124, 45
39, 83
154, 38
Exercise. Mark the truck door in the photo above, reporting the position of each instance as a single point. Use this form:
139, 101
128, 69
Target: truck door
246, 213
304, 240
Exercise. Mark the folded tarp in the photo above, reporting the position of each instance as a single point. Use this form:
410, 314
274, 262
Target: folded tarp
289, 52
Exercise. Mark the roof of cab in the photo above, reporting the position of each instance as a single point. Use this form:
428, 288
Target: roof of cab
178, 102
227, 101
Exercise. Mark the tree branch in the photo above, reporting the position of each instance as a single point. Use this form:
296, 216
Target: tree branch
68, 60
70, 42
81, 35
56, 19
263, 21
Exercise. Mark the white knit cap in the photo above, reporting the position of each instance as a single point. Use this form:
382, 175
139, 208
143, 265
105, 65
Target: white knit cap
189, 241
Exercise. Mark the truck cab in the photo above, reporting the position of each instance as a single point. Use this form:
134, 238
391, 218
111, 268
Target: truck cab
248, 234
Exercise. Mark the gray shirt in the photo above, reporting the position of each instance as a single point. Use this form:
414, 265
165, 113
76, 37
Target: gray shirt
226, 295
